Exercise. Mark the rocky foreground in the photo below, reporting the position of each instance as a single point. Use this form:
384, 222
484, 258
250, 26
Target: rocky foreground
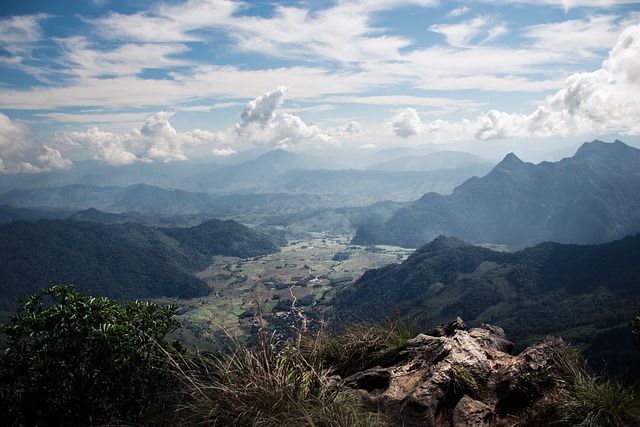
455, 376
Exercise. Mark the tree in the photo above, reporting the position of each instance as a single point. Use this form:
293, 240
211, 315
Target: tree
72, 359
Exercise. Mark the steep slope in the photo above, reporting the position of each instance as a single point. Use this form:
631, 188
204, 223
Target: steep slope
578, 292
591, 197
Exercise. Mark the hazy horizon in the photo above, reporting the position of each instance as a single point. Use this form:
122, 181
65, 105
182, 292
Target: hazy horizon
168, 81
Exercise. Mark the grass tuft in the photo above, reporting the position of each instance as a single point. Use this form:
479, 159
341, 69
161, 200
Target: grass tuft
358, 346
467, 381
270, 385
583, 398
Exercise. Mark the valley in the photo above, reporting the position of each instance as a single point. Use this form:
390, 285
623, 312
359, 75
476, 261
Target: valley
305, 275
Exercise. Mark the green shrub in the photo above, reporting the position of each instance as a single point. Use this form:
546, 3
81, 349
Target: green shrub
72, 359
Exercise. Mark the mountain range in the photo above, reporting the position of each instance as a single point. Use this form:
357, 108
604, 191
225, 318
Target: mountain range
276, 171
591, 197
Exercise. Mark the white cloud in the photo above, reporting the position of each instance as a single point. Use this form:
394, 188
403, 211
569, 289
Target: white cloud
259, 125
18, 153
168, 22
350, 129
14, 137
459, 12
83, 60
567, 4
605, 100
479, 30
223, 152
262, 110
407, 123
52, 159
156, 140
19, 38
582, 35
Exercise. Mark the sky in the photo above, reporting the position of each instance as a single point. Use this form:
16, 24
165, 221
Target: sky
159, 81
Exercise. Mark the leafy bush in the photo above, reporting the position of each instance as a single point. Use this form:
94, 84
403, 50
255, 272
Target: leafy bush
72, 359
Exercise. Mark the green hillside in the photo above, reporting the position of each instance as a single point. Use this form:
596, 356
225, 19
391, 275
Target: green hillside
583, 293
121, 261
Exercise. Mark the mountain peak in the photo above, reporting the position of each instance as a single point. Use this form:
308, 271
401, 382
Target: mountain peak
511, 158
443, 242
597, 147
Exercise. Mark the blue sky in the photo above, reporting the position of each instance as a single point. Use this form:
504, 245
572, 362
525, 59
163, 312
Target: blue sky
147, 81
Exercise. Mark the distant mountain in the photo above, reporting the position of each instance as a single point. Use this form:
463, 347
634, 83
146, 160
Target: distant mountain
355, 187
591, 197
144, 199
253, 174
12, 213
121, 261
95, 215
528, 293
433, 161
198, 186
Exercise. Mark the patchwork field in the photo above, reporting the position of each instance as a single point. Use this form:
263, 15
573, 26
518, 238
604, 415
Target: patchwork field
304, 275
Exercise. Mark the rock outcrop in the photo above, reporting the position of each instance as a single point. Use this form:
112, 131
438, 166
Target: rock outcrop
455, 376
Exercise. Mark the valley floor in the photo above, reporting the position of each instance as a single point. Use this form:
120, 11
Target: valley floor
304, 274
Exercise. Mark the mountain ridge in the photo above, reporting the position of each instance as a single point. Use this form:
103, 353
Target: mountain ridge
591, 197
525, 292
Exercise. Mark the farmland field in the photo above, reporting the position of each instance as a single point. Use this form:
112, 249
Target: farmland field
303, 275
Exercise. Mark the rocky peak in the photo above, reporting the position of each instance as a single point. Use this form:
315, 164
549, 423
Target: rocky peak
454, 376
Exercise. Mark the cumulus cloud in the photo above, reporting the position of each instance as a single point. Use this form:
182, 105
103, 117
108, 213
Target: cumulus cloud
351, 128
262, 110
156, 140
18, 153
407, 123
605, 100
260, 125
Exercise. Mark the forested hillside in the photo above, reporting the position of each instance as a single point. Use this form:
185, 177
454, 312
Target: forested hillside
121, 261
582, 293
592, 197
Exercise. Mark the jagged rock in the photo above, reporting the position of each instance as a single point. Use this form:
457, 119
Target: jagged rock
471, 413
447, 329
458, 377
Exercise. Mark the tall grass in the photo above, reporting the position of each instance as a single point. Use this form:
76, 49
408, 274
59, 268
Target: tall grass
583, 398
266, 386
358, 346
